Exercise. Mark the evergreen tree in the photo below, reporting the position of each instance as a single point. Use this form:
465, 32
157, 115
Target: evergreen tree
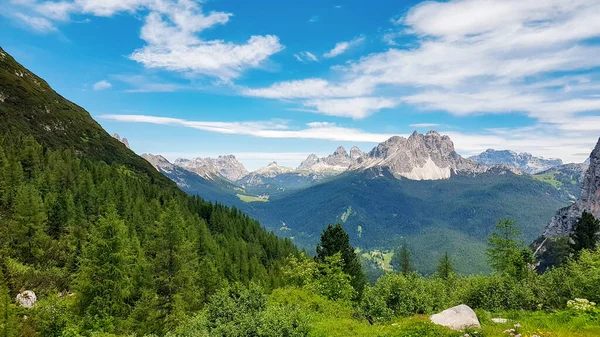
335, 240
28, 229
102, 282
175, 266
445, 269
586, 233
401, 261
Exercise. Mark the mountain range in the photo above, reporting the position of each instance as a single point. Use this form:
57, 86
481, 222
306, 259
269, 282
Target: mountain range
524, 162
416, 190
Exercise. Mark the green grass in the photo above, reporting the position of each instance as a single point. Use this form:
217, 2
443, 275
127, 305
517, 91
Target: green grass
382, 258
333, 319
252, 198
550, 179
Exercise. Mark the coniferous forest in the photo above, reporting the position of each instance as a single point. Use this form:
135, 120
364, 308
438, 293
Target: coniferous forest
95, 242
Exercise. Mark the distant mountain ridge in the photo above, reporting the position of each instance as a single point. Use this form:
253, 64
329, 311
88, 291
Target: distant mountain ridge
524, 162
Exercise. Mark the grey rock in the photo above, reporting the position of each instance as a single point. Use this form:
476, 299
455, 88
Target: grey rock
562, 223
457, 318
521, 161
227, 167
26, 299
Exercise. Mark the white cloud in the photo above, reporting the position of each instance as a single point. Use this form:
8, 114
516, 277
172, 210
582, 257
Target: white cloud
171, 31
102, 85
423, 125
543, 140
262, 129
342, 47
356, 108
39, 24
475, 57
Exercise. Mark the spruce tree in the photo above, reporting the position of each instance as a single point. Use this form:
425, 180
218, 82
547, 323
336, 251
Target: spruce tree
28, 229
335, 240
445, 269
103, 283
586, 233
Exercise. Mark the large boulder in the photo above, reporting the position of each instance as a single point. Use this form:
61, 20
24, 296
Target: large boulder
26, 299
457, 318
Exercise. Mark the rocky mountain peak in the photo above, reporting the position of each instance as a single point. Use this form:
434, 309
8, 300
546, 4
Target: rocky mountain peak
340, 152
355, 153
226, 166
562, 223
524, 161
427, 156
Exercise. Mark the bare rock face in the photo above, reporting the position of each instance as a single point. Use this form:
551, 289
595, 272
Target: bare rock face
457, 318
562, 223
227, 167
26, 299
159, 162
419, 157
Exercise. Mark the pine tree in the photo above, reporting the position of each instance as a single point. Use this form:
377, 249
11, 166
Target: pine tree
28, 229
401, 261
445, 269
102, 282
586, 233
335, 240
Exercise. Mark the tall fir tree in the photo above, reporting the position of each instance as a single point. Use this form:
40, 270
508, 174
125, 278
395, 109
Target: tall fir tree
28, 230
586, 233
335, 240
175, 266
103, 282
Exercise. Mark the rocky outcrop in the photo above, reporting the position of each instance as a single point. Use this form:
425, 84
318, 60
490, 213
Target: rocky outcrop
159, 162
524, 162
419, 157
562, 223
457, 318
227, 167
122, 140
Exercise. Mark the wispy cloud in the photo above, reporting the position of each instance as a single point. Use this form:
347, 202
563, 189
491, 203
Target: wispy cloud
306, 56
261, 129
102, 85
36, 23
342, 47
544, 140
423, 125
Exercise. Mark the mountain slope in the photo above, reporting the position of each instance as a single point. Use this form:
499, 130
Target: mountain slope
29, 106
380, 211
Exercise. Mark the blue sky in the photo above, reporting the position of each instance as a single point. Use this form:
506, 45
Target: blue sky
278, 80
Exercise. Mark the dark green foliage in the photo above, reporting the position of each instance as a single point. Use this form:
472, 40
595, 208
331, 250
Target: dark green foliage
335, 240
556, 252
150, 260
445, 269
457, 214
401, 261
586, 233
103, 283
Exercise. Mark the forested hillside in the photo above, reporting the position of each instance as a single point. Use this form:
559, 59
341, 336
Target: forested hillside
89, 225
